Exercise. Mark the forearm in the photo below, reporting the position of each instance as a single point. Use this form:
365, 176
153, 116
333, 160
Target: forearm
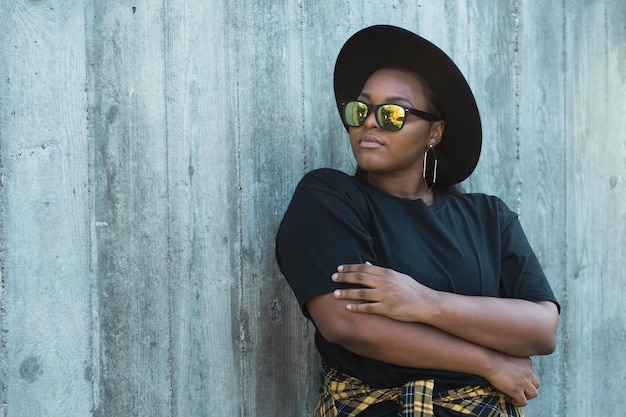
414, 345
512, 326
515, 327
418, 345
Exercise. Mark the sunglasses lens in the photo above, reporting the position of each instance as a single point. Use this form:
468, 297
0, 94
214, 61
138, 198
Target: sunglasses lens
390, 117
355, 113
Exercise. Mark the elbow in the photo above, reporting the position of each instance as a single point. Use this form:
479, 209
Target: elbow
551, 340
339, 332
334, 322
543, 343
547, 345
551, 348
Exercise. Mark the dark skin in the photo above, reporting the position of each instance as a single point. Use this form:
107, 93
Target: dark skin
520, 328
397, 320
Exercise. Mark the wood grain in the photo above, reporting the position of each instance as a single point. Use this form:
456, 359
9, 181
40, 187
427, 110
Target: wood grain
128, 126
45, 241
148, 151
542, 165
595, 221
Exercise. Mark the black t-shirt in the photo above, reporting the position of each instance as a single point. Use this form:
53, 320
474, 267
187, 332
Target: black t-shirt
469, 244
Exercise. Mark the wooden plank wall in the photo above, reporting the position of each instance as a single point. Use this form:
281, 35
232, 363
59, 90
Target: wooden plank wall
45, 231
149, 150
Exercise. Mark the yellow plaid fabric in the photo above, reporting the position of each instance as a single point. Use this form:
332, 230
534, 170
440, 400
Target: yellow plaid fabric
344, 396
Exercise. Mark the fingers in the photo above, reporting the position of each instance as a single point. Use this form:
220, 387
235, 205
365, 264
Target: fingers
536, 382
530, 391
366, 307
366, 267
361, 274
360, 294
381, 291
519, 400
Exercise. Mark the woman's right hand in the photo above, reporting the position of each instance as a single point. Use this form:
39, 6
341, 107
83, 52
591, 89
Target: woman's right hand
515, 377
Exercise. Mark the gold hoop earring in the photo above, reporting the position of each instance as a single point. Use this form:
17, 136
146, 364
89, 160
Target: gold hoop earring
430, 180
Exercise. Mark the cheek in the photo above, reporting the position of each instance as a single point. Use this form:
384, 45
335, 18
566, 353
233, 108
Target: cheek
417, 139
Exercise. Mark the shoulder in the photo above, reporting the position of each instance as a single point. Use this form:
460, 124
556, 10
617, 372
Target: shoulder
330, 182
325, 179
329, 192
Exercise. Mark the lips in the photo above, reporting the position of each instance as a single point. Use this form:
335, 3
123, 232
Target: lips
370, 142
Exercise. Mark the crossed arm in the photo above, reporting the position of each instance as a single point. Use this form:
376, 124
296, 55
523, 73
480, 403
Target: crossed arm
396, 320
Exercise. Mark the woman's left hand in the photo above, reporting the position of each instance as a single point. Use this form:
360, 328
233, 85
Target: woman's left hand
387, 292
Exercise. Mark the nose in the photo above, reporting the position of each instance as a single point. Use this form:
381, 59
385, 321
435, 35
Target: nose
370, 120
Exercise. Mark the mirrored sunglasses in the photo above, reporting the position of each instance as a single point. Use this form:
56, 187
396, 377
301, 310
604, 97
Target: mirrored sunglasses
388, 116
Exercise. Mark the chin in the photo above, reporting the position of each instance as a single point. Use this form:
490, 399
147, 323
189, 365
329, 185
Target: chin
368, 164
371, 167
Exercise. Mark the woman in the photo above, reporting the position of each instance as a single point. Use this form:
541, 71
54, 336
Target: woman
425, 300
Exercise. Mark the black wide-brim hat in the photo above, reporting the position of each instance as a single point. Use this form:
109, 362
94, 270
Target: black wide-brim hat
379, 46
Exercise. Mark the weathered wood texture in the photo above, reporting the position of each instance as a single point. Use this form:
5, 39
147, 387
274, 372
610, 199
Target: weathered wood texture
45, 257
595, 220
149, 150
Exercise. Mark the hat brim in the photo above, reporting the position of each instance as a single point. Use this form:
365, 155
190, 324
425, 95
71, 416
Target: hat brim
378, 46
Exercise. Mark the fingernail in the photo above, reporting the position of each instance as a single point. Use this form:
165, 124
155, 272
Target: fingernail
340, 268
337, 293
367, 263
335, 277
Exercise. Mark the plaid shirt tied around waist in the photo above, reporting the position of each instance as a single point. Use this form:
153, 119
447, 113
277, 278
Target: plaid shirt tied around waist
344, 396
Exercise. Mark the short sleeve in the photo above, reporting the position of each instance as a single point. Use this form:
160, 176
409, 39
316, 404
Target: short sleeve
521, 274
324, 226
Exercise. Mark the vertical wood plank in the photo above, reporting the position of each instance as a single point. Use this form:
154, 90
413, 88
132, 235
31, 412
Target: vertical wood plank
45, 239
203, 122
583, 37
446, 24
542, 204
137, 221
596, 161
128, 126
493, 32
275, 373
324, 141
611, 164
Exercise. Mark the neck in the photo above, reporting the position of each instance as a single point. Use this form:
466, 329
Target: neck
407, 187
